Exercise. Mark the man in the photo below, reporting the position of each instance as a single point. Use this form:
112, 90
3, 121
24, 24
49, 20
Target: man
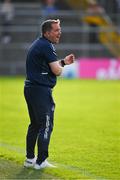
42, 67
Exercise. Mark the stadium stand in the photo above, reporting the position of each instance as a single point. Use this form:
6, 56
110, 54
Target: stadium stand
25, 28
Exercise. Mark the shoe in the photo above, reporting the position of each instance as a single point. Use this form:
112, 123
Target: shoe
30, 162
44, 164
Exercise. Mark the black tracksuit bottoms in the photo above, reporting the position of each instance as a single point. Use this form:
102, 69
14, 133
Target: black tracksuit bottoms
41, 112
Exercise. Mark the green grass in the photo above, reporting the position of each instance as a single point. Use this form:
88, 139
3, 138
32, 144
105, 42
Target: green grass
85, 141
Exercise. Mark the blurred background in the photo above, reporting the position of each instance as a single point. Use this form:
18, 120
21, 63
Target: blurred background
90, 30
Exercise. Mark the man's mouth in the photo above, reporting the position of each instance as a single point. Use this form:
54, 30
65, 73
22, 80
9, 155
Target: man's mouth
58, 37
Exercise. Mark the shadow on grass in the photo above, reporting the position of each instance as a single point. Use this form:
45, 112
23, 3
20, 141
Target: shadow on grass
12, 170
30, 173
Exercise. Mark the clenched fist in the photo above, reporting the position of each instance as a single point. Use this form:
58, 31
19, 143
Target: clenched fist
69, 59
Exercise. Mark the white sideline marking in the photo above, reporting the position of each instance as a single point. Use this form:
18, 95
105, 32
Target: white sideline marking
82, 171
12, 148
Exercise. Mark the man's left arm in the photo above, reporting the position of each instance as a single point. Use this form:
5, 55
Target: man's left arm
57, 66
67, 60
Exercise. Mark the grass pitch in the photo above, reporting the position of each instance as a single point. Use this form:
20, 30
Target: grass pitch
85, 140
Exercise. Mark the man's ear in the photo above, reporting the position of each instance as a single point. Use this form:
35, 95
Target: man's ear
47, 34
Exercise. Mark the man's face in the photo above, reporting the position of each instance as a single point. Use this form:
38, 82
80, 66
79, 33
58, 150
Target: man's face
55, 33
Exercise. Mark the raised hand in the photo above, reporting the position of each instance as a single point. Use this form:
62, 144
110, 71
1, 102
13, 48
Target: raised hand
69, 59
